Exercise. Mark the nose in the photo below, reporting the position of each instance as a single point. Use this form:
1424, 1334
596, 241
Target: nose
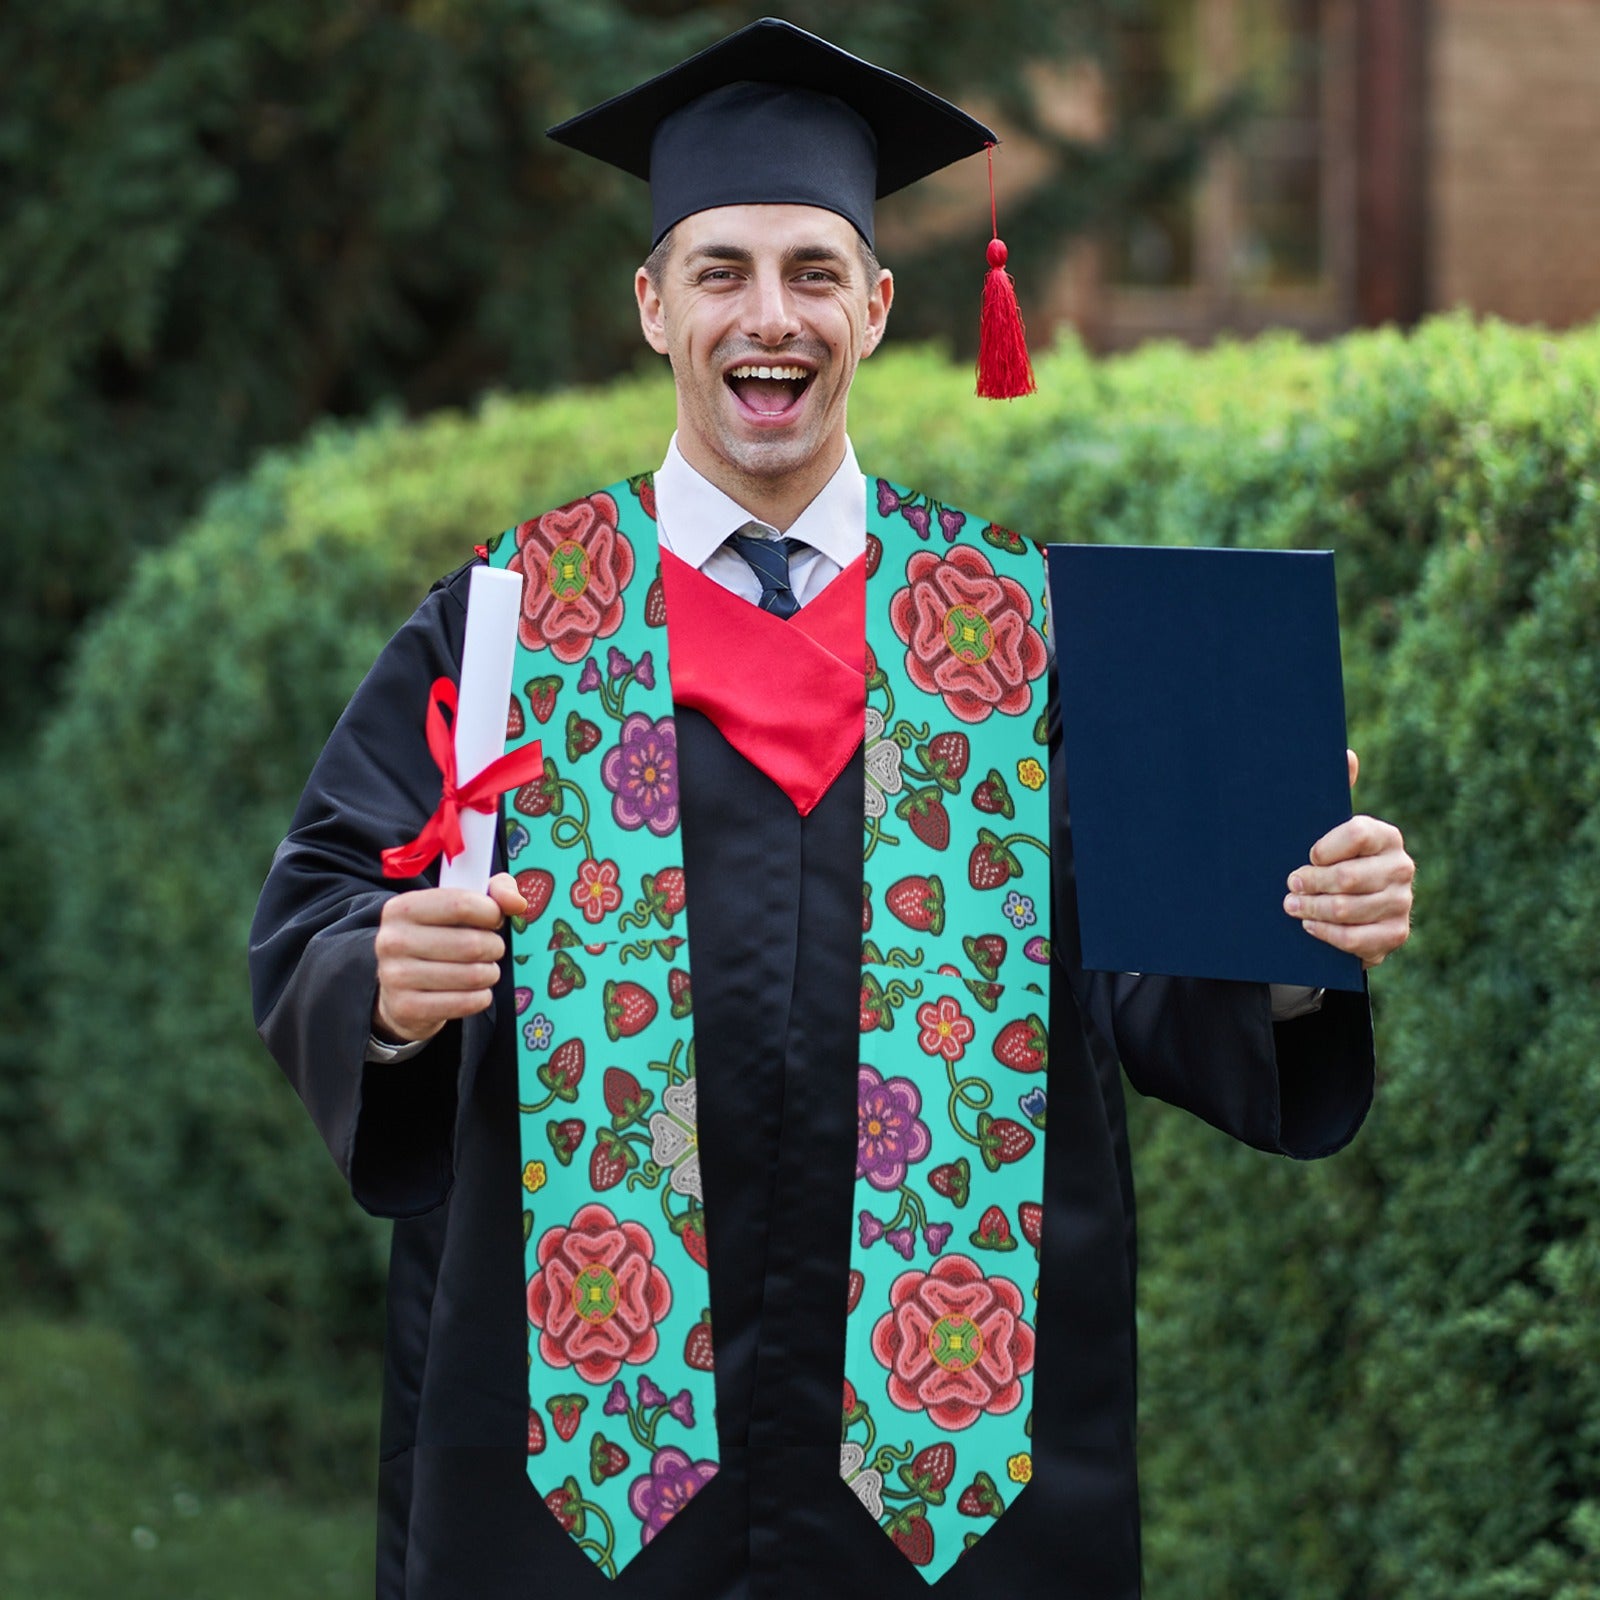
771, 316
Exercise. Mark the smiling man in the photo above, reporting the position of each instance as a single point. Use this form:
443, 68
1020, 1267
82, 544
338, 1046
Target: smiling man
731, 1255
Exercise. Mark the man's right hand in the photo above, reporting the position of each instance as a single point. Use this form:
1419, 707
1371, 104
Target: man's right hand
439, 954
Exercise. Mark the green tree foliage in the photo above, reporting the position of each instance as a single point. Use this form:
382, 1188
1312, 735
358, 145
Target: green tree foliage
1373, 1377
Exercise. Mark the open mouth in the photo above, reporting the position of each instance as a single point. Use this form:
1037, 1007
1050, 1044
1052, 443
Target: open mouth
769, 391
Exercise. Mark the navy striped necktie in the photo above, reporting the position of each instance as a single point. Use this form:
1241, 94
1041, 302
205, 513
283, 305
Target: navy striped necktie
769, 560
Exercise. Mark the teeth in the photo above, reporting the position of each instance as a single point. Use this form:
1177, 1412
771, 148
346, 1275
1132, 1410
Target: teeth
797, 374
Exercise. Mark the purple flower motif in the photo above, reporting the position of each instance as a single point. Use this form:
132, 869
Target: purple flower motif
644, 671
650, 1393
524, 999
887, 498
617, 664
919, 519
642, 773
617, 1401
871, 1229
950, 522
1037, 949
889, 1133
589, 678
937, 1235
671, 1483
903, 1240
681, 1406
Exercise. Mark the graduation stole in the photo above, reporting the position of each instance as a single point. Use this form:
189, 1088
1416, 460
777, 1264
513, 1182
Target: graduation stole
941, 1295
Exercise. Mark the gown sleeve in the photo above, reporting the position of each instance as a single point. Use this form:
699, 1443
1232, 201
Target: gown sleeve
313, 966
1300, 1088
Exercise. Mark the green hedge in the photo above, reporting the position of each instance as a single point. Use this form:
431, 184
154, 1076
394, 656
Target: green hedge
1375, 1377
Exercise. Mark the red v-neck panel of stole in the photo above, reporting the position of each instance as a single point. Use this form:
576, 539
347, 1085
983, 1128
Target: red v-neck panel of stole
943, 1290
621, 1418
787, 695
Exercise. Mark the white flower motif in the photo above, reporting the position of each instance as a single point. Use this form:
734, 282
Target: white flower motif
864, 1480
673, 1140
883, 765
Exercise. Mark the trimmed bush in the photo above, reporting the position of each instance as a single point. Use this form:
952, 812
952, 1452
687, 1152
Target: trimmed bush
1373, 1377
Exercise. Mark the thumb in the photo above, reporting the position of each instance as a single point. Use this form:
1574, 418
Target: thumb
504, 892
1354, 762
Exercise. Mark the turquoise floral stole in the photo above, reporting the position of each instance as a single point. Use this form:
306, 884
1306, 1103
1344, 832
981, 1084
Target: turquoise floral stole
954, 995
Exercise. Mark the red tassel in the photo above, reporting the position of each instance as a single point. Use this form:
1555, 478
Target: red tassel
1004, 370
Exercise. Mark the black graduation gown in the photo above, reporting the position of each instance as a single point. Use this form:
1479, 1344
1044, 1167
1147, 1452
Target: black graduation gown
774, 911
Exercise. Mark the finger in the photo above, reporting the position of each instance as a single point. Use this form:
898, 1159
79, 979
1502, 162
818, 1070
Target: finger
434, 977
1354, 909
1371, 942
415, 1016
1357, 875
1360, 836
1353, 761
448, 908
504, 892
432, 942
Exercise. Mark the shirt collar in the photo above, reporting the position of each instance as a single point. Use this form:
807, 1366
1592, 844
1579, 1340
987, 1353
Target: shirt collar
695, 517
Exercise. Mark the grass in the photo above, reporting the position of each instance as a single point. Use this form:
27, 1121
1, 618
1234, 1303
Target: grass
92, 1504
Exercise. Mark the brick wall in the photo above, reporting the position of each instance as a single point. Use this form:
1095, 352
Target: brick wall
1514, 160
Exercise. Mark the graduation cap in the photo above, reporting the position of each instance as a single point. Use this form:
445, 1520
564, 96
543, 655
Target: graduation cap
773, 115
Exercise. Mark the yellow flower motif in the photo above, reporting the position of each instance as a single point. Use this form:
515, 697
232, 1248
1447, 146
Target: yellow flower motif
1020, 1468
533, 1176
1030, 774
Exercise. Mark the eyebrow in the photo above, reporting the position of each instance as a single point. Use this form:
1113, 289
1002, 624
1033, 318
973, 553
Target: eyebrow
738, 255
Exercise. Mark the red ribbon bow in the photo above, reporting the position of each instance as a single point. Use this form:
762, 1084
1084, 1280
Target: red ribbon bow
442, 831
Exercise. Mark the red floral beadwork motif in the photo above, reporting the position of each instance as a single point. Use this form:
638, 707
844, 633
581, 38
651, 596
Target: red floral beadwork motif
597, 1295
955, 1343
968, 633
575, 563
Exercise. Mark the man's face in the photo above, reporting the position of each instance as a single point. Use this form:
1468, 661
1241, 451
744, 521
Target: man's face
764, 311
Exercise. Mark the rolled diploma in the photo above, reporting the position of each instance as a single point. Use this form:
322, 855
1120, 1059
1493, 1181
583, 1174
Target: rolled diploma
494, 598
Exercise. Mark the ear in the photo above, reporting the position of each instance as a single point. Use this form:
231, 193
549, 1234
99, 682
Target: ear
879, 300
652, 315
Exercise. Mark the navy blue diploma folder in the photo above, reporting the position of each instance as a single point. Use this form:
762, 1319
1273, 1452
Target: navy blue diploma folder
1202, 712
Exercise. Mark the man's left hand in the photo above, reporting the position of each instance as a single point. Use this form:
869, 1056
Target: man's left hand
1355, 893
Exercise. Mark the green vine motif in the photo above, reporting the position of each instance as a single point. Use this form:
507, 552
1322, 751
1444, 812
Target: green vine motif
998, 1140
894, 956
573, 1511
565, 831
972, 1094
875, 837
906, 734
643, 949
675, 1072
880, 1001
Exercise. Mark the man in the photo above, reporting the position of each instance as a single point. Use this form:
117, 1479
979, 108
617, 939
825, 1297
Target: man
396, 1014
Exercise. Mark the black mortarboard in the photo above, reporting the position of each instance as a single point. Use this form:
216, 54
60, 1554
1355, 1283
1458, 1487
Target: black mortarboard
774, 115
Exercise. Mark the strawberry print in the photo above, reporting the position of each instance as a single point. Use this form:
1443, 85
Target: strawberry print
946, 756
1001, 1141
1030, 1218
854, 1284
582, 736
606, 1459
610, 1161
516, 723
693, 1235
1021, 1045
918, 902
678, 993
994, 1231
628, 1009
625, 1099
993, 796
697, 1346
980, 1498
866, 908
535, 1433
992, 862
565, 976
563, 1072
930, 1471
536, 887
924, 812
951, 1179
655, 604
566, 1411
541, 693
874, 553
913, 1537
986, 951
565, 1137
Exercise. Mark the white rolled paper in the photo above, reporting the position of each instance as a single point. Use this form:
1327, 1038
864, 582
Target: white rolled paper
494, 599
